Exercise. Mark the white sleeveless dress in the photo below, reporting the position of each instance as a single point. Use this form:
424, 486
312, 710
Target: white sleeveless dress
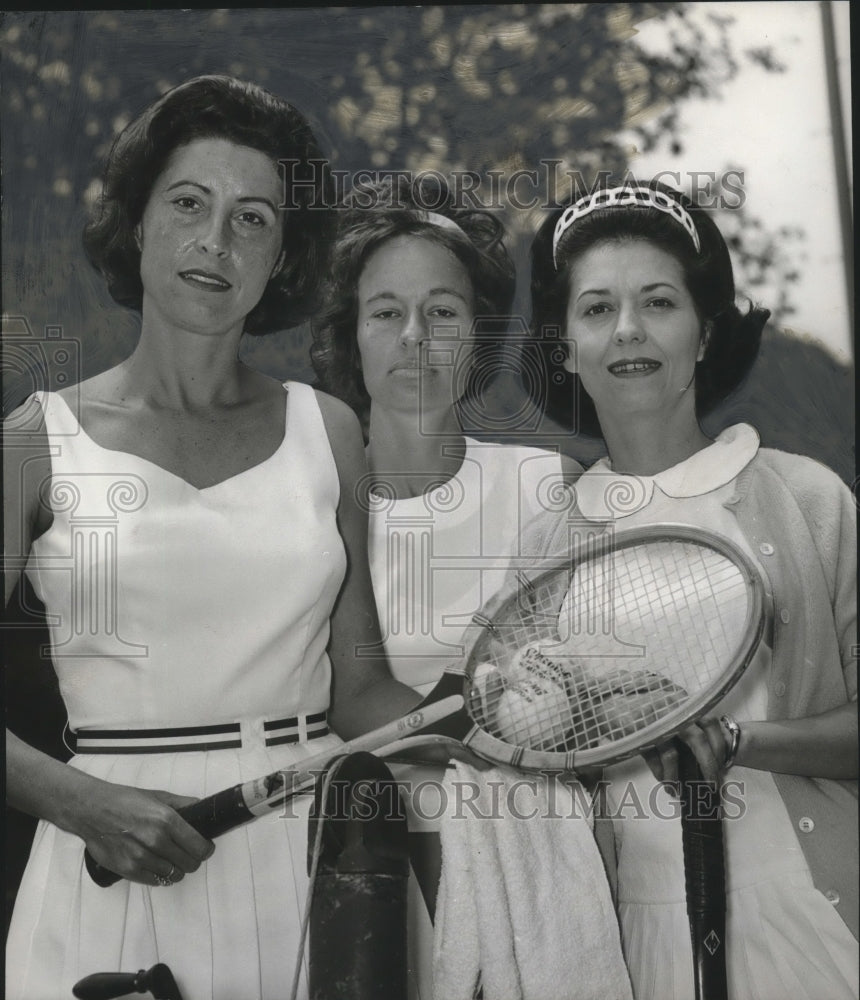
173, 607
435, 560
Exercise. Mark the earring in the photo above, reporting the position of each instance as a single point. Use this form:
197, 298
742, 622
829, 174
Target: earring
707, 330
279, 265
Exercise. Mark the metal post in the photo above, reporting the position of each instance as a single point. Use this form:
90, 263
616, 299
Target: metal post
840, 154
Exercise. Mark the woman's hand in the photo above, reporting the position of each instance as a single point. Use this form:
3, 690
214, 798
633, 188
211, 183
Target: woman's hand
139, 834
710, 743
819, 746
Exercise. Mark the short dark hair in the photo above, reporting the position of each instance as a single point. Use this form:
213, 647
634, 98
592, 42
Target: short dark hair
734, 337
375, 213
224, 108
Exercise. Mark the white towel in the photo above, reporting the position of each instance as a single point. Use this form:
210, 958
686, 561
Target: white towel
524, 906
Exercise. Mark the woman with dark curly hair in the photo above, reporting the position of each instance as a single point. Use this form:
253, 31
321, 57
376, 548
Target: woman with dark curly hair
197, 637
413, 334
640, 281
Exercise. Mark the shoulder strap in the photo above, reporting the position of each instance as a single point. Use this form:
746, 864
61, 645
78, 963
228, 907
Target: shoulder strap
307, 431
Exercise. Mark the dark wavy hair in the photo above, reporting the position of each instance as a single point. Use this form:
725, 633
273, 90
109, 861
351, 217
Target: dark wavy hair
734, 337
373, 214
218, 107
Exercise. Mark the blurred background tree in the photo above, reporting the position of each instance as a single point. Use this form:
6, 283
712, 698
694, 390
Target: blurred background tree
479, 88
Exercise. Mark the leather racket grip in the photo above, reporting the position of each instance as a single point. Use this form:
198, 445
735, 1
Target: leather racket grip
210, 817
704, 872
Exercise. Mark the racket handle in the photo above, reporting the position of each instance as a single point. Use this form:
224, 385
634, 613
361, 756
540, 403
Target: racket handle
158, 981
231, 807
705, 875
106, 985
100, 875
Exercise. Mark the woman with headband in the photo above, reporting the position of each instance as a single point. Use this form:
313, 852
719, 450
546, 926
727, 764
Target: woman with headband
403, 342
189, 524
413, 333
640, 280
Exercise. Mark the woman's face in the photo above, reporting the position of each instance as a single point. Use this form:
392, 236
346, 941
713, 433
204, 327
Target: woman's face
414, 292
635, 331
210, 236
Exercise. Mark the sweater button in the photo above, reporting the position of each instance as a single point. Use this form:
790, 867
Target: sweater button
832, 896
806, 825
785, 616
779, 689
766, 549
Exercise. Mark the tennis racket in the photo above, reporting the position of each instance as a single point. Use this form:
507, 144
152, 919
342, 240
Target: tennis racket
616, 652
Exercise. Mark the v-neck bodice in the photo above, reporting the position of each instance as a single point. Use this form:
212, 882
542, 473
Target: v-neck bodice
74, 421
172, 605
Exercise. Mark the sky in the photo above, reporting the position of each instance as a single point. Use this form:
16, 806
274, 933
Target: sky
777, 126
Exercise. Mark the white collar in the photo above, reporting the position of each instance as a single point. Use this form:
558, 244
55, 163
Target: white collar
603, 494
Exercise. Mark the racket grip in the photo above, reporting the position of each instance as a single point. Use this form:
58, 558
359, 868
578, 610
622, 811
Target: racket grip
231, 807
106, 985
158, 981
705, 875
210, 817
98, 873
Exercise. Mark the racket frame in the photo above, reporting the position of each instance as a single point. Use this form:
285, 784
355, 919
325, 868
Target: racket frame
670, 724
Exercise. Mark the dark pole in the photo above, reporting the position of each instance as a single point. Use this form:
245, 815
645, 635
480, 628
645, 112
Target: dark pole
357, 942
840, 153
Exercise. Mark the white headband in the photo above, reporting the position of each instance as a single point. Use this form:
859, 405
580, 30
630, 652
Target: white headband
435, 219
624, 196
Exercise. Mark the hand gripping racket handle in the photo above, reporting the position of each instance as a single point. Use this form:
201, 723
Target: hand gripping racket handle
231, 807
704, 871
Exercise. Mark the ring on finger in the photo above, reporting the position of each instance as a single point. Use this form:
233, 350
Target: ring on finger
172, 876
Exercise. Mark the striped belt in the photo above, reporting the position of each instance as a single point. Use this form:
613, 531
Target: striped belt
225, 736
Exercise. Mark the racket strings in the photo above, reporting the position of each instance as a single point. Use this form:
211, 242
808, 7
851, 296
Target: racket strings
585, 658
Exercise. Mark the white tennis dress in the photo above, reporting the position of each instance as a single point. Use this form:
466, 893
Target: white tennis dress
435, 560
175, 607
785, 937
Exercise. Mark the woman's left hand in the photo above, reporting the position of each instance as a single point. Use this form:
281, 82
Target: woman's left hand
817, 746
710, 744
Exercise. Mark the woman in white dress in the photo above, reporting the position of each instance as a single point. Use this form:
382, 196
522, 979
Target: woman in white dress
413, 334
640, 280
191, 527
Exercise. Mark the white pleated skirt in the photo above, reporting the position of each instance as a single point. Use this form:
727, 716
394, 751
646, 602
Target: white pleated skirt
229, 931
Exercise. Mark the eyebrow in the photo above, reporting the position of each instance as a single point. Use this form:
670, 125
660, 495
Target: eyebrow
433, 291
645, 288
202, 187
